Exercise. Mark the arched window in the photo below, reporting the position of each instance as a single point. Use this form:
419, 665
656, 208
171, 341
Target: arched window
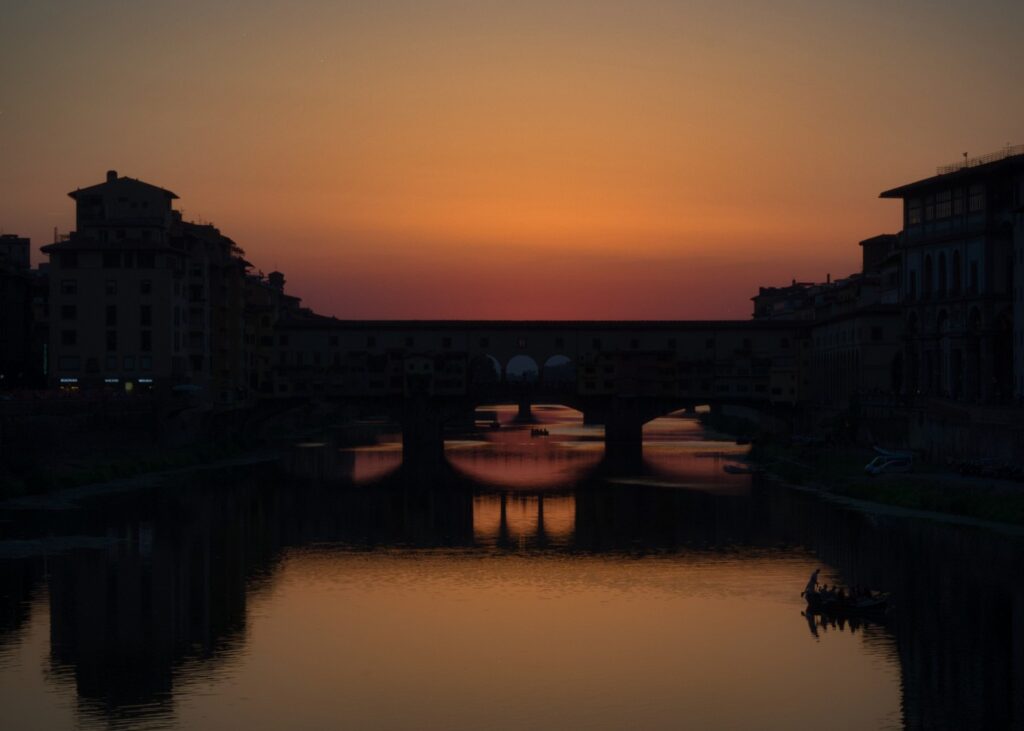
956, 276
942, 275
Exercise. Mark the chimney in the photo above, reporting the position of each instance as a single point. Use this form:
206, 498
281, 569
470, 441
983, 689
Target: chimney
828, 279
111, 176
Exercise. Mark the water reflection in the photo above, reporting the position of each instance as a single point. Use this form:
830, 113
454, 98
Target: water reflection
247, 600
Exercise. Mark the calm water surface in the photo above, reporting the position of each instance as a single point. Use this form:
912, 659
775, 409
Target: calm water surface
523, 587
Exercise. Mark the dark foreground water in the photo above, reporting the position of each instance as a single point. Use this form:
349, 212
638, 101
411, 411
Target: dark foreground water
523, 588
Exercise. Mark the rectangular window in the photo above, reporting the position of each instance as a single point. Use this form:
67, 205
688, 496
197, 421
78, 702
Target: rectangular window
913, 211
68, 312
145, 340
69, 337
129, 260
976, 198
974, 278
69, 286
111, 340
944, 204
111, 363
111, 259
68, 260
68, 363
129, 362
146, 286
145, 315
959, 202
146, 260
111, 287
111, 315
145, 363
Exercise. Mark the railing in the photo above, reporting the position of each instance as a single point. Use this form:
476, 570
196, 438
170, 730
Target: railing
1008, 151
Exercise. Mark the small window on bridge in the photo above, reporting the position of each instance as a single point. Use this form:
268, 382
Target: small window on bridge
559, 342
521, 342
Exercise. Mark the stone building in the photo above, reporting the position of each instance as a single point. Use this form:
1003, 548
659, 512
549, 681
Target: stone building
140, 300
957, 294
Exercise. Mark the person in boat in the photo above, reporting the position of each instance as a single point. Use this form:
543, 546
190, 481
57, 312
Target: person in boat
812, 583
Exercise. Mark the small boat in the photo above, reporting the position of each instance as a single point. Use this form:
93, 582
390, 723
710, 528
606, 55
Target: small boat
829, 602
535, 432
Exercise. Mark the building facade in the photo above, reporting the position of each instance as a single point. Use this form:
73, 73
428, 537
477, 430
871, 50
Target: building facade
957, 294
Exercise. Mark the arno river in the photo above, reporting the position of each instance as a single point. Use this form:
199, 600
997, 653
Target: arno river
524, 587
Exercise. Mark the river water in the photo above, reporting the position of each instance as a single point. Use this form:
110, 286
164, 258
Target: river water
523, 587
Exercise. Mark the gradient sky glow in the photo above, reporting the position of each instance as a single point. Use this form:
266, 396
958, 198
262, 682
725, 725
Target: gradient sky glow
595, 159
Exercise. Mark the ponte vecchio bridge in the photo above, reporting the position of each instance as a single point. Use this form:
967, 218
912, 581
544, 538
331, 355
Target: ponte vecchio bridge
618, 373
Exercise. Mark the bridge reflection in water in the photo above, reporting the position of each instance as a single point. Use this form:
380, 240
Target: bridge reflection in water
211, 590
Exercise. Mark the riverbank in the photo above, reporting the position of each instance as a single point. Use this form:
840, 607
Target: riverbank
30, 477
928, 491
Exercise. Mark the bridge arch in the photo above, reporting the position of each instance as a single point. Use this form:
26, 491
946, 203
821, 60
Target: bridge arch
558, 371
485, 370
522, 368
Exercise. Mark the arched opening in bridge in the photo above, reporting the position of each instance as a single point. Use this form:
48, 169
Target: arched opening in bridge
559, 372
484, 370
522, 369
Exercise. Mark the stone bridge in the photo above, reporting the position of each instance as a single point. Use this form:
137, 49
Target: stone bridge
618, 373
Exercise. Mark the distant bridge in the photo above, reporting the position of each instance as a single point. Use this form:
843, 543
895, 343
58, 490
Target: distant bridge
619, 373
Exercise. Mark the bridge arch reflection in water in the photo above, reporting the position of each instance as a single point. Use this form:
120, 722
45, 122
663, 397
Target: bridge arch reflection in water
183, 589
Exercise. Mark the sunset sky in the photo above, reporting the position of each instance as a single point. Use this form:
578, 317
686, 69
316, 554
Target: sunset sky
596, 159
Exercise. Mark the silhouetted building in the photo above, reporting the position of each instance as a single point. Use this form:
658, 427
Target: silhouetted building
15, 312
141, 300
959, 229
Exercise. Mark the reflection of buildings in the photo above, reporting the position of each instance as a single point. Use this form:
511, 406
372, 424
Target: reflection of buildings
174, 585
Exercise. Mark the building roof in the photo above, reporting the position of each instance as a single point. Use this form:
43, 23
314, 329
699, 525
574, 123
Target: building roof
971, 168
112, 178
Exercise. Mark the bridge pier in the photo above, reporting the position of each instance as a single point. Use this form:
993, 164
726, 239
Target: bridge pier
525, 413
624, 434
422, 433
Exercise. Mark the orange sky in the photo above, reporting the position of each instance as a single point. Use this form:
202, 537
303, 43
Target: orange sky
535, 159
